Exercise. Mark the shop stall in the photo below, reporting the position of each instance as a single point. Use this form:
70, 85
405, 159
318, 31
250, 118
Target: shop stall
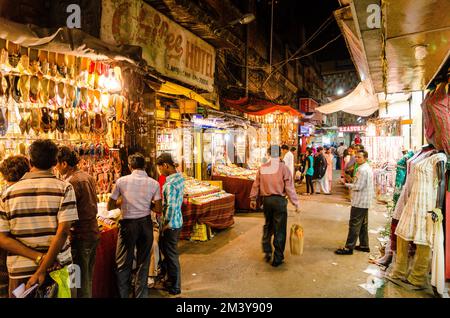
74, 94
384, 143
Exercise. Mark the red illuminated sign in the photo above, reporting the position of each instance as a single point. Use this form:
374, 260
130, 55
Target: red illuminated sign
352, 128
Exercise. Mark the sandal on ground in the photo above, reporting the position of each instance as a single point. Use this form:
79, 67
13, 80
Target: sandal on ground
343, 251
362, 249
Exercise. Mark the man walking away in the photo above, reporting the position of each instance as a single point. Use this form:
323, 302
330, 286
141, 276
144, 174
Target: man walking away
173, 191
362, 196
139, 192
273, 182
36, 214
320, 168
84, 233
288, 158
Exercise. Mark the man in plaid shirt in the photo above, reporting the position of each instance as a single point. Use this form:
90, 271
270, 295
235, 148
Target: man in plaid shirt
362, 196
173, 191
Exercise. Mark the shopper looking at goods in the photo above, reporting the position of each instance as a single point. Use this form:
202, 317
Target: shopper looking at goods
12, 169
362, 196
173, 191
309, 172
340, 153
84, 235
140, 194
273, 182
45, 205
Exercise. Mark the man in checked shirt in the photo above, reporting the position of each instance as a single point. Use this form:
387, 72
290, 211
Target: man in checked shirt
362, 196
173, 191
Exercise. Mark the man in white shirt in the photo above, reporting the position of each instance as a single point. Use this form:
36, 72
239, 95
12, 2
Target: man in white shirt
362, 197
288, 158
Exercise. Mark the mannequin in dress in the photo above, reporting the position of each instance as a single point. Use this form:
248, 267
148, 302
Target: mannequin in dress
419, 228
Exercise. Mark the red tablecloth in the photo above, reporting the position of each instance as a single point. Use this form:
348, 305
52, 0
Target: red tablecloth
241, 188
104, 284
217, 214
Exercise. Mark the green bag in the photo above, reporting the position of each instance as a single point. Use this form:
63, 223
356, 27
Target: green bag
61, 277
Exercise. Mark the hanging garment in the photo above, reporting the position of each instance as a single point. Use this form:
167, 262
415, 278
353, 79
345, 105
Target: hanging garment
437, 114
437, 261
406, 191
400, 177
412, 225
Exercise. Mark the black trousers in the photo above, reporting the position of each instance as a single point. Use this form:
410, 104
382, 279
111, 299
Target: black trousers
171, 262
309, 184
358, 227
134, 233
275, 213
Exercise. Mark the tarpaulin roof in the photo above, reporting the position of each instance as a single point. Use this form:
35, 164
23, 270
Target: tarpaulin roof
259, 107
362, 102
67, 41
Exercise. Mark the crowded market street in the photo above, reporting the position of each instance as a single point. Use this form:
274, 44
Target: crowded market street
231, 265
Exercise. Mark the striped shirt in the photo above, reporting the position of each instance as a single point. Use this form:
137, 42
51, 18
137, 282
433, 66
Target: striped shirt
30, 211
138, 191
362, 188
173, 191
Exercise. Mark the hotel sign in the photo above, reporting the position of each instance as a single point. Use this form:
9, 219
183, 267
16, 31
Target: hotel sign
166, 46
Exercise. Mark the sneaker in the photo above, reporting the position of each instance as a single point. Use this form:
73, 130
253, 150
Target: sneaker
343, 251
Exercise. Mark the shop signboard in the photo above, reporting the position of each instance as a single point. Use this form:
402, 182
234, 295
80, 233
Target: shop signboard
166, 46
352, 129
307, 105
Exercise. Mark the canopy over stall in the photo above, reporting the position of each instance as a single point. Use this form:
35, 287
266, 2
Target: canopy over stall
67, 41
259, 107
361, 102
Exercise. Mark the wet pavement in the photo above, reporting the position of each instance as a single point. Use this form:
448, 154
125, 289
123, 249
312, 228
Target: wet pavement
231, 264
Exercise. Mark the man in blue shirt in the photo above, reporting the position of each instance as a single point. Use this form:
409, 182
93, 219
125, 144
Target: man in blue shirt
173, 191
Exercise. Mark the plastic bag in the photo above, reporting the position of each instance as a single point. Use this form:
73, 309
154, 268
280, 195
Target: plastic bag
61, 277
296, 239
49, 289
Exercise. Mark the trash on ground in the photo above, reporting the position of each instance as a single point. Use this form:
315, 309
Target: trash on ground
374, 231
334, 263
194, 274
374, 270
372, 284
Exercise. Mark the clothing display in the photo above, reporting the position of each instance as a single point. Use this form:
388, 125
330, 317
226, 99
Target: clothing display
436, 110
383, 149
400, 177
420, 220
412, 224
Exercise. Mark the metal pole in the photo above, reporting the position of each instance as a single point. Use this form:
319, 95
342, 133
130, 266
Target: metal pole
246, 60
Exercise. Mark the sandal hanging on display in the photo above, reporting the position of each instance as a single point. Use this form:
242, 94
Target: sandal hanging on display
61, 122
34, 89
24, 88
46, 120
36, 120
16, 90
43, 94
3, 121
